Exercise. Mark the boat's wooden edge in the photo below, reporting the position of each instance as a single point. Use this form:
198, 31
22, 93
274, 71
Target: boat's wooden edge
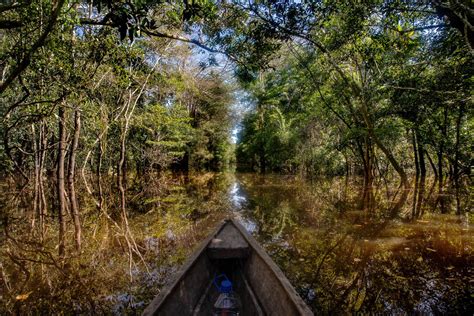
168, 289
258, 308
197, 310
303, 309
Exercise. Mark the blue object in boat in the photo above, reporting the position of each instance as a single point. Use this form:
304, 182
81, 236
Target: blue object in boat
228, 303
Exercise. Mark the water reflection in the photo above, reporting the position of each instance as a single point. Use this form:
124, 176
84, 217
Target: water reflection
237, 196
248, 224
341, 259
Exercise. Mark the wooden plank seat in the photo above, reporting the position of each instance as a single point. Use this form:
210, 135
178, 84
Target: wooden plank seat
228, 243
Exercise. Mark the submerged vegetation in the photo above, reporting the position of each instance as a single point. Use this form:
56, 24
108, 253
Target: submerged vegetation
112, 112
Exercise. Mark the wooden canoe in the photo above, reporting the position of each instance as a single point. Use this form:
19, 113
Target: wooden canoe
262, 287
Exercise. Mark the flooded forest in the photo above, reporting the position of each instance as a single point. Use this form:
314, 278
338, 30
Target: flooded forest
339, 134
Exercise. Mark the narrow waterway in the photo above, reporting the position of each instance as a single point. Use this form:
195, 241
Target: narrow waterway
341, 259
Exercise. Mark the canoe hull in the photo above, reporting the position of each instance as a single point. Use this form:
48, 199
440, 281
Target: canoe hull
260, 284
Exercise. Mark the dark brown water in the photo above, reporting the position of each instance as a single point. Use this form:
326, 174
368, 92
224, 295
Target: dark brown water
341, 259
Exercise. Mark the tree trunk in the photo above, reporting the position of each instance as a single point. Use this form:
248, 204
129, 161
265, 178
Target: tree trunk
368, 193
37, 198
121, 171
440, 153
393, 162
370, 129
43, 144
456, 172
417, 174
433, 167
403, 177
421, 186
421, 155
71, 180
60, 180
99, 175
415, 153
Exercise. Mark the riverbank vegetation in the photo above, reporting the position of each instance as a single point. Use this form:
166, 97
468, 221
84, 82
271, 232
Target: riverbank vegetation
100, 101
373, 91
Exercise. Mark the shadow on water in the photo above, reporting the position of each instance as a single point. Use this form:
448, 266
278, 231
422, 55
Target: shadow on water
340, 257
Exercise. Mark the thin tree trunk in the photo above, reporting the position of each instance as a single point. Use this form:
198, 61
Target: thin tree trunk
43, 207
398, 168
441, 151
393, 162
125, 169
129, 109
121, 170
403, 177
60, 180
440, 198
368, 193
433, 167
421, 155
361, 153
36, 199
99, 175
456, 172
415, 153
71, 180
457, 142
417, 174
421, 159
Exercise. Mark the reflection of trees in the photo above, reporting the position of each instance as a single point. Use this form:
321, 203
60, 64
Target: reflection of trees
164, 217
344, 260
274, 222
340, 258
272, 207
340, 273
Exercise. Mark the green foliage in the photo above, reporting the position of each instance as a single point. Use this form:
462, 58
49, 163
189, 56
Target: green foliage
355, 80
163, 134
176, 115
